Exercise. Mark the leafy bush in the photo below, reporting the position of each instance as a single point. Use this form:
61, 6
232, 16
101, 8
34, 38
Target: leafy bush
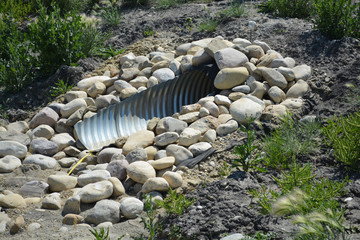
16, 63
56, 39
60, 87
342, 134
288, 8
236, 10
18, 8
289, 140
338, 18
111, 15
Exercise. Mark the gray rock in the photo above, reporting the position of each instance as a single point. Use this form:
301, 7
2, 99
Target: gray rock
276, 94
44, 162
212, 107
273, 77
13, 148
302, 72
209, 136
164, 74
72, 95
254, 51
72, 205
75, 117
34, 189
52, 201
44, 131
72, 106
63, 140
46, 116
138, 154
94, 192
61, 126
9, 163
216, 45
59, 183
169, 124
117, 169
84, 84
67, 162
106, 154
22, 138
92, 177
140, 171
97, 88
129, 73
44, 147
230, 58
131, 207
235, 236
189, 136
198, 148
71, 151
104, 211
20, 127
160, 154
246, 108
106, 100
183, 48
205, 123
121, 85
166, 138
298, 90
288, 73
226, 128
180, 153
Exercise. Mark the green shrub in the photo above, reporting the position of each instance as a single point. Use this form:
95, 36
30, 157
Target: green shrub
60, 87
338, 18
17, 65
111, 15
236, 10
289, 140
288, 8
175, 203
18, 8
342, 134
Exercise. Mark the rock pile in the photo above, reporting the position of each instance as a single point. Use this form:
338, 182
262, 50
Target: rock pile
255, 82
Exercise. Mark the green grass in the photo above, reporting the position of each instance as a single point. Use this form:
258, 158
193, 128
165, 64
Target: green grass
175, 203
290, 140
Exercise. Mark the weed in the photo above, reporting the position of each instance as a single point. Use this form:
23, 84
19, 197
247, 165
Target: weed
18, 9
225, 170
313, 224
354, 95
289, 140
111, 15
149, 221
249, 156
265, 198
60, 87
236, 10
3, 114
189, 23
175, 203
110, 52
261, 236
148, 32
288, 8
102, 234
175, 233
342, 134
208, 25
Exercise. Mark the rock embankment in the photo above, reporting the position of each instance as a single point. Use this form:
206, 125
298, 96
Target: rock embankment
254, 81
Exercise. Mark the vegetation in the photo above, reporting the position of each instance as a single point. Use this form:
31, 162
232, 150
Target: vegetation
342, 134
175, 203
61, 87
290, 140
333, 18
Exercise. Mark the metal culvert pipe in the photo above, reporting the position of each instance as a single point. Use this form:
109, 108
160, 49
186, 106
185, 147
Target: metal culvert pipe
133, 114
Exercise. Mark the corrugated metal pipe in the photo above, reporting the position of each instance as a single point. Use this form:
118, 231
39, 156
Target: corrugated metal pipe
133, 114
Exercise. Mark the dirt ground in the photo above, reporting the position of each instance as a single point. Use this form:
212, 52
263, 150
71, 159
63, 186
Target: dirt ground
226, 206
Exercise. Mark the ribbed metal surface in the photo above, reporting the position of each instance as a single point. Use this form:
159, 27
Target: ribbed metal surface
133, 114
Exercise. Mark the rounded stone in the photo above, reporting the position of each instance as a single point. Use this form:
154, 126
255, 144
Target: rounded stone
180, 153
298, 90
246, 108
12, 200
44, 131
44, 146
46, 116
131, 207
9, 163
94, 192
155, 184
164, 74
276, 94
12, 148
166, 138
199, 148
228, 78
63, 140
140, 171
173, 178
44, 162
138, 154
106, 154
226, 128
140, 139
118, 188
60, 183
117, 168
52, 201
92, 177
163, 163
104, 211
72, 106
189, 136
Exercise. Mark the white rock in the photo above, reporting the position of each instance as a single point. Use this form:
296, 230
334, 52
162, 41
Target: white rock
302, 72
97, 88
52, 201
155, 184
292, 103
212, 107
226, 128
173, 178
209, 136
242, 42
72, 106
121, 84
246, 108
44, 131
189, 117
230, 58
189, 136
63, 140
131, 207
198, 148
139, 81
140, 171
20, 126
288, 73
170, 124
92, 177
298, 90
118, 188
94, 192
71, 95
44, 162
33, 227
140, 139
87, 82
222, 100
104, 211
9, 163
228, 78
163, 163
130, 57
46, 116
263, 45
164, 74
59, 183
105, 100
183, 48
12, 148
